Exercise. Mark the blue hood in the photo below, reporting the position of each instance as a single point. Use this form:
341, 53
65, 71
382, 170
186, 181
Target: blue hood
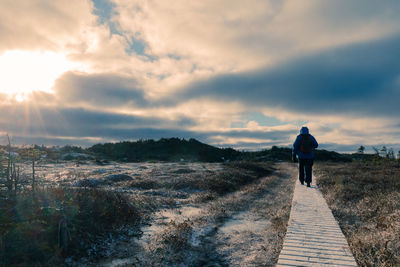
304, 130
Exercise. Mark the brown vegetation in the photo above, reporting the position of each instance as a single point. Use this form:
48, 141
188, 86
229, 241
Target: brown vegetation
365, 199
265, 199
58, 221
234, 176
83, 223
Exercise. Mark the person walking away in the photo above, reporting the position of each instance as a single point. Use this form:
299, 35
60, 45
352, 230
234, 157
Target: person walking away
304, 147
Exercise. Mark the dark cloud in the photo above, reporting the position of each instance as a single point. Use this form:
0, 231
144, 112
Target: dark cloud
99, 90
362, 79
29, 120
359, 78
55, 126
250, 146
273, 135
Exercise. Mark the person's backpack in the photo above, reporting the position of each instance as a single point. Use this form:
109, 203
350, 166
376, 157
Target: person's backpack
306, 145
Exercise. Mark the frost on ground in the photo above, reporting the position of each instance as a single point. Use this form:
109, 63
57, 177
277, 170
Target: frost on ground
194, 214
253, 236
244, 227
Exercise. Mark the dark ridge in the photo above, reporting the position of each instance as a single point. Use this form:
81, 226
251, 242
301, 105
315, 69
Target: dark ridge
171, 149
174, 150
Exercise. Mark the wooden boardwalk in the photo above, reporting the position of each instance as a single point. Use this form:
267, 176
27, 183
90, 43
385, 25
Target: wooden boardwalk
313, 238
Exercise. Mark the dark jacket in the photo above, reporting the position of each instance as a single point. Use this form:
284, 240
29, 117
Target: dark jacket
296, 147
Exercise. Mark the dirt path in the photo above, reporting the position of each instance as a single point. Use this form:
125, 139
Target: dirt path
244, 228
253, 237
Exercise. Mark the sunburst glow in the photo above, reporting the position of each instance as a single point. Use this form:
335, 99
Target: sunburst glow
23, 72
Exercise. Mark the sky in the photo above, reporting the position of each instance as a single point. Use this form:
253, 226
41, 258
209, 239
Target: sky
230, 73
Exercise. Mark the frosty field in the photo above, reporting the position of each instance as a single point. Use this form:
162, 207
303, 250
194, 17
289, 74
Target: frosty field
183, 214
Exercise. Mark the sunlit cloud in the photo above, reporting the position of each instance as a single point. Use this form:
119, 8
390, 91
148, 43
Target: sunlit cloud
229, 74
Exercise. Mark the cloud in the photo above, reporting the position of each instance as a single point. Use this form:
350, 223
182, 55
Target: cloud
188, 41
75, 121
229, 35
99, 90
29, 123
65, 124
38, 24
223, 72
185, 40
71, 28
358, 79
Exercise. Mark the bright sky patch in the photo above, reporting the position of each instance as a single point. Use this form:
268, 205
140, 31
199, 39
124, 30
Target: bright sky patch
23, 72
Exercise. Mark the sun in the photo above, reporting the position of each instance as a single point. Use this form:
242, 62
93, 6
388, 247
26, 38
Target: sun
23, 72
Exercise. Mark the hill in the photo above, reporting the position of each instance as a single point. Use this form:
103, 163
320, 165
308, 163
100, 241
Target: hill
175, 149
171, 149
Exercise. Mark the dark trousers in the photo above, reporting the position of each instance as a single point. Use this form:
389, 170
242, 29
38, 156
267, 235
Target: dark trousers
305, 167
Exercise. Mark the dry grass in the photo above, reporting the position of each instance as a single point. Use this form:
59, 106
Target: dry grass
268, 199
365, 199
88, 217
40, 228
172, 246
234, 176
